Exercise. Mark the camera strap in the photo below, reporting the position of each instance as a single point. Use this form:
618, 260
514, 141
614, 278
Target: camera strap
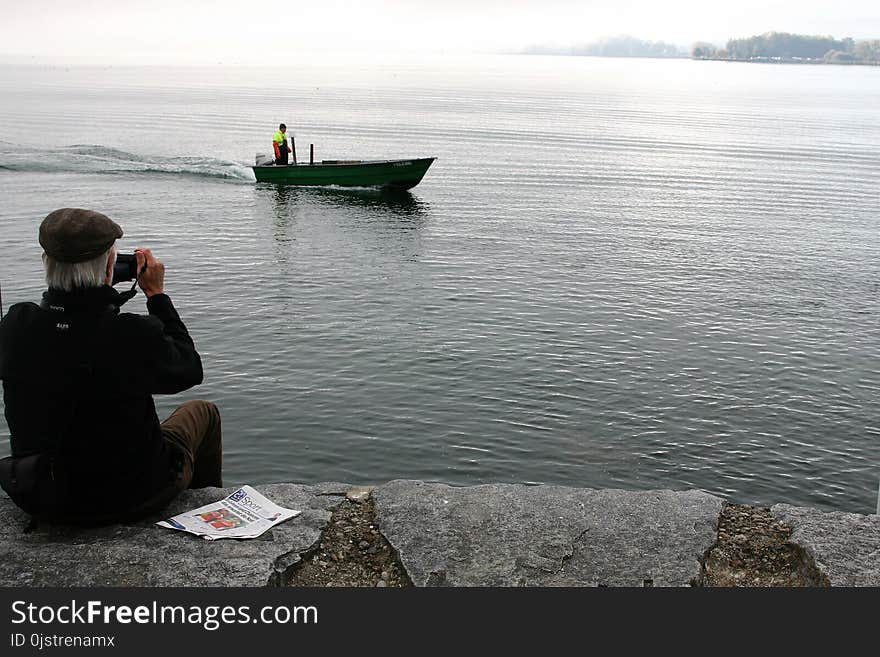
129, 294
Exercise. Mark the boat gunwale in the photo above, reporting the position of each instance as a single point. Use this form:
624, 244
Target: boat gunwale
411, 161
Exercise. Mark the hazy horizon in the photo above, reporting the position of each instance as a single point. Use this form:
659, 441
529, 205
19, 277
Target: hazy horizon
223, 31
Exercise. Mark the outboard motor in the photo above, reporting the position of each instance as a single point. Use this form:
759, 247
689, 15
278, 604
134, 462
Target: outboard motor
263, 160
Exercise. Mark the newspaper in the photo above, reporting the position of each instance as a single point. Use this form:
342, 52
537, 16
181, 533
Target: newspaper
244, 514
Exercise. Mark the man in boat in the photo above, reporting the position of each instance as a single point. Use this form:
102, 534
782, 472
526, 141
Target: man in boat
78, 382
279, 142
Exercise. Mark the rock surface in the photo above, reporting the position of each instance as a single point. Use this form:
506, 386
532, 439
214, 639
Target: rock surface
424, 534
515, 535
145, 554
844, 547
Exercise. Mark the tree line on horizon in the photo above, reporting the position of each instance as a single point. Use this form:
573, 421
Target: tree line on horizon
782, 46
770, 46
616, 46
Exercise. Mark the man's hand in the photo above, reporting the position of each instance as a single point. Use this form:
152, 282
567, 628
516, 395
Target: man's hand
151, 280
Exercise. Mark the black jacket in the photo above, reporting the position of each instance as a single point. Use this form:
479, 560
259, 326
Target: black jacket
78, 378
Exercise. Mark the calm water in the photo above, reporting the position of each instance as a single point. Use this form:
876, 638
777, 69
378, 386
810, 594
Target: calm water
637, 274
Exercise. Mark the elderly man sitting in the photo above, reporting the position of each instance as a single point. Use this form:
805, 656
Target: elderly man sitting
78, 381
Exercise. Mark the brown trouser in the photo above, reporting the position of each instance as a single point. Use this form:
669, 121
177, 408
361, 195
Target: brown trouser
194, 430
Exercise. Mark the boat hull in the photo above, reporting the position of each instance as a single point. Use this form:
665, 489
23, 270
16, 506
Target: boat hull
395, 174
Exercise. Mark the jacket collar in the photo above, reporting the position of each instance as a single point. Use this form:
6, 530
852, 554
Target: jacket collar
90, 299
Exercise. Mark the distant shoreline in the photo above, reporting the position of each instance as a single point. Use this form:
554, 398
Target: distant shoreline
767, 48
780, 60
754, 60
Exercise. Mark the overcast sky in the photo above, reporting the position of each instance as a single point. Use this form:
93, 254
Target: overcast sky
205, 31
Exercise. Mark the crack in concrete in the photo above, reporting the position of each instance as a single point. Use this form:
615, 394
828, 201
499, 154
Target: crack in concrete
700, 580
286, 565
567, 558
341, 556
751, 549
563, 559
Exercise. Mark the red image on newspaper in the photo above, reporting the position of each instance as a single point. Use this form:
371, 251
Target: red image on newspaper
221, 519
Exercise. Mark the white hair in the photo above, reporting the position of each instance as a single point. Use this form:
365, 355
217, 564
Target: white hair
69, 276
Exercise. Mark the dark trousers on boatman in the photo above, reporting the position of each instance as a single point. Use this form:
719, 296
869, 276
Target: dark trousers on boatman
282, 153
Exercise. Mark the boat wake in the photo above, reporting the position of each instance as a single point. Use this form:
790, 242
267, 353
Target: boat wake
93, 158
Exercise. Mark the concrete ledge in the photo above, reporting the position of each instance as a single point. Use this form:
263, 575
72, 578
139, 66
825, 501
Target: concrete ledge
490, 535
145, 554
514, 535
845, 547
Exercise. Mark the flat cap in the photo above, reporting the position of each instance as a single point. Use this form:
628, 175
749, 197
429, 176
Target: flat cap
77, 235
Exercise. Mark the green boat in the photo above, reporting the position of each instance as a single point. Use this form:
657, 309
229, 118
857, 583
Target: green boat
394, 174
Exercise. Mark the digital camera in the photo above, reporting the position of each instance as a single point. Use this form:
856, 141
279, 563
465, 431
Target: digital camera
125, 268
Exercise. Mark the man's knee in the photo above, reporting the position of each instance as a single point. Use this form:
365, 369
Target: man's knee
202, 407
204, 404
